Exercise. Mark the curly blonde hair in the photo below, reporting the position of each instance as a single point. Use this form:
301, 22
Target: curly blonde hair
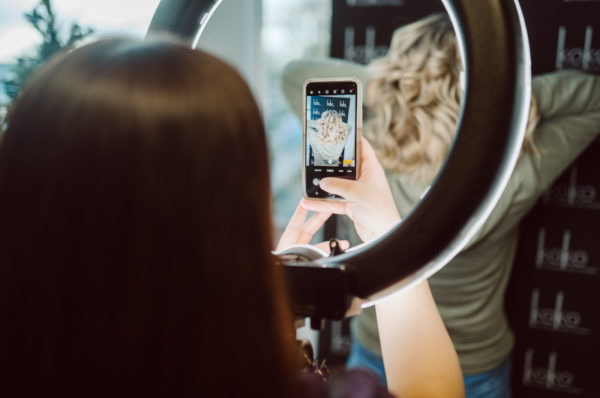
414, 98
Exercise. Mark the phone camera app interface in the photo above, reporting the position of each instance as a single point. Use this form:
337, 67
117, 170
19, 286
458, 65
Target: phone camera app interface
330, 134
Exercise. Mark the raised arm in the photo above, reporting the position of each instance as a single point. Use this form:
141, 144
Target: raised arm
569, 104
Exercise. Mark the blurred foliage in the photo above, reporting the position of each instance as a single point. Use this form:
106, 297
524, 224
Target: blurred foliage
43, 20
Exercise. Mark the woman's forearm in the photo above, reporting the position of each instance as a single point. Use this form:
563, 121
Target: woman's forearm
418, 355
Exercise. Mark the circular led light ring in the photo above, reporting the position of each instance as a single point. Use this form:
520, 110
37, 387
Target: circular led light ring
494, 47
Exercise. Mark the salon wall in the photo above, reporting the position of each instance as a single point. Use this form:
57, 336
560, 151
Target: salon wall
553, 293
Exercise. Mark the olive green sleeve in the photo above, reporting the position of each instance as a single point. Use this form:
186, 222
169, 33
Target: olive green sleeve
569, 104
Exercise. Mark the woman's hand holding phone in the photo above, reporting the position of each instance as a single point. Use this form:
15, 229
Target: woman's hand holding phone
368, 201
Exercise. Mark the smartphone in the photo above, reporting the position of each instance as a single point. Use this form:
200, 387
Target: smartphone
331, 132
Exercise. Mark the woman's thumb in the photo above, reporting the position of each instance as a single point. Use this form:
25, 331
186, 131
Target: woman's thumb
339, 186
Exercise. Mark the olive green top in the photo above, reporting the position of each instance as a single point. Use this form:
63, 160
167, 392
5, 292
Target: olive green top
469, 291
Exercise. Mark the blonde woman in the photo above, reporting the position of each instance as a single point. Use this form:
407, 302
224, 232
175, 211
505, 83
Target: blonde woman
413, 99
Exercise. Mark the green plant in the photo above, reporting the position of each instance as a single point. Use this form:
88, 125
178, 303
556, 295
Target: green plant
43, 20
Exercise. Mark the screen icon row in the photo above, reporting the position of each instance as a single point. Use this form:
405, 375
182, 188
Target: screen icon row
312, 92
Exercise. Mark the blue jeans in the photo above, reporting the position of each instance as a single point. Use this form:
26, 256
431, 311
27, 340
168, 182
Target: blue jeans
361, 357
494, 383
491, 384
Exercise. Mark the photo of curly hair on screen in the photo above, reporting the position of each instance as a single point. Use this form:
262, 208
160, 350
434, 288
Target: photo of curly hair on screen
330, 134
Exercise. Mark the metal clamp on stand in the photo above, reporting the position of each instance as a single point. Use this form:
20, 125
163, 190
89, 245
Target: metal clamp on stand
334, 247
316, 291
319, 292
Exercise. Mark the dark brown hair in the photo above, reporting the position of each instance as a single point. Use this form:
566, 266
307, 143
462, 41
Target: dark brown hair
136, 231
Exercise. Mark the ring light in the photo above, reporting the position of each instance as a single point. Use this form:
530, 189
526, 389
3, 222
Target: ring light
185, 18
494, 47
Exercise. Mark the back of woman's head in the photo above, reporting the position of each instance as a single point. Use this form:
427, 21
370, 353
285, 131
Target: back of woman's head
135, 237
414, 95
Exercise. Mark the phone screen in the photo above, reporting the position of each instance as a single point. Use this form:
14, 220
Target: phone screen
330, 133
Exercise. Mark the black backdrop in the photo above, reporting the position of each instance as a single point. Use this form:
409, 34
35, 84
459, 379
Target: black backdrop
554, 290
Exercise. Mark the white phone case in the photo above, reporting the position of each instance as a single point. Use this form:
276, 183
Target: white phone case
305, 127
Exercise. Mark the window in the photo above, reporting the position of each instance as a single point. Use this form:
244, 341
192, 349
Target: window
19, 38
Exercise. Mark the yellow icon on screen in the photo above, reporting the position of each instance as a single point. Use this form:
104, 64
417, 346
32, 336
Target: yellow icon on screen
348, 162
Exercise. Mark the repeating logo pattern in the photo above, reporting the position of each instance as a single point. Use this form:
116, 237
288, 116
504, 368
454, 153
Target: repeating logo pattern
549, 375
583, 57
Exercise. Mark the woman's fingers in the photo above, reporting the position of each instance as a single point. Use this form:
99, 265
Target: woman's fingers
300, 230
323, 206
313, 224
298, 217
292, 232
347, 189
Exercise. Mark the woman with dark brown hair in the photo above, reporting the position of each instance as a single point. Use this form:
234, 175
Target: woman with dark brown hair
136, 237
114, 208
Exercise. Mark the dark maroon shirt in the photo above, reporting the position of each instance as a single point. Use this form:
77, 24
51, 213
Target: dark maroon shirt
352, 383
